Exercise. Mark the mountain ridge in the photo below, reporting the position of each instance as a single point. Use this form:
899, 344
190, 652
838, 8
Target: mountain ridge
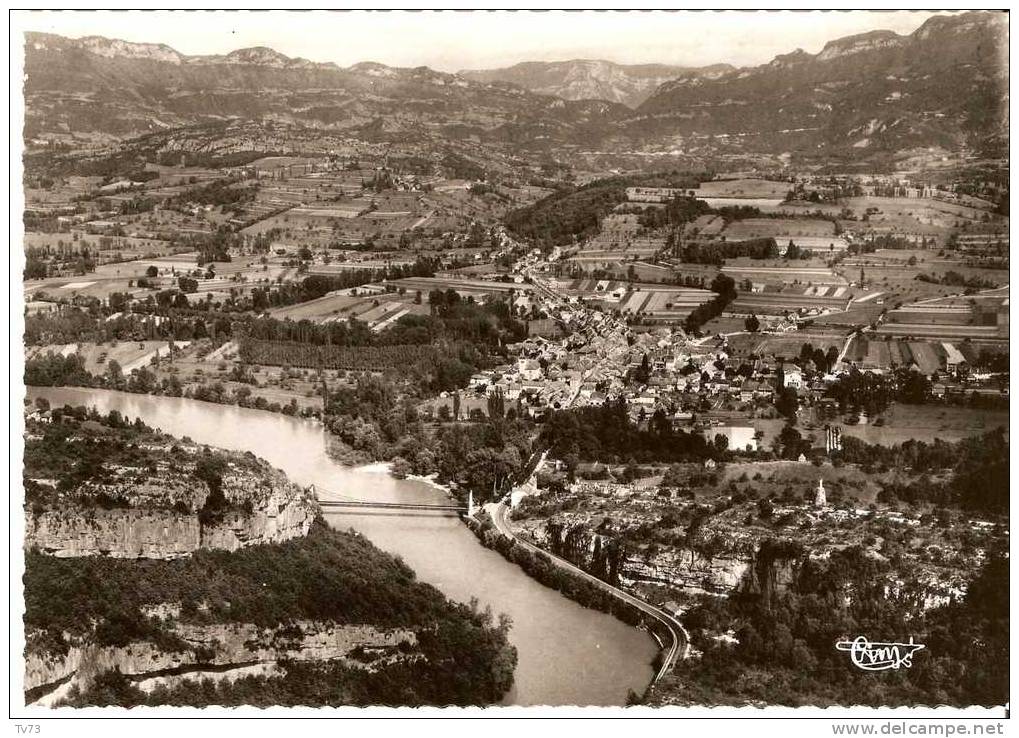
942, 87
578, 79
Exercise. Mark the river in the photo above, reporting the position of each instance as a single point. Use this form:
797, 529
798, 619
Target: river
568, 655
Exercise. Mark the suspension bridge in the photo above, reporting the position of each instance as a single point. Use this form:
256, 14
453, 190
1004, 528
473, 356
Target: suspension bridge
338, 500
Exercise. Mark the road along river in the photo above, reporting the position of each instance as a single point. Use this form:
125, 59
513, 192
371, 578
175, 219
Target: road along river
568, 655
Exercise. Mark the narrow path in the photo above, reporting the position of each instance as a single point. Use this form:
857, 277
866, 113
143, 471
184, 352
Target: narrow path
679, 646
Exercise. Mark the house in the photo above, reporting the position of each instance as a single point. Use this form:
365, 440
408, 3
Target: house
480, 380
955, 362
792, 378
530, 370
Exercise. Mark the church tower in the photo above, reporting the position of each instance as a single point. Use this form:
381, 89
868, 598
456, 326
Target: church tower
820, 498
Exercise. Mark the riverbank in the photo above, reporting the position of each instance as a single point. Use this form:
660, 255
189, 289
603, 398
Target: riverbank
35, 378
560, 576
555, 638
164, 568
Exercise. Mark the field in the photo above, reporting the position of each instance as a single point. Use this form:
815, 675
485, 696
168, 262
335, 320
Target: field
130, 355
927, 422
915, 214
377, 310
324, 308
743, 188
780, 229
633, 298
465, 287
348, 358
786, 344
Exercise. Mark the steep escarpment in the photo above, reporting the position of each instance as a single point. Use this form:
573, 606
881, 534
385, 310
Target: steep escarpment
256, 619
221, 648
115, 489
718, 565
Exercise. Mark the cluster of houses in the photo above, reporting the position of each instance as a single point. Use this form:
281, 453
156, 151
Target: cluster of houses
605, 360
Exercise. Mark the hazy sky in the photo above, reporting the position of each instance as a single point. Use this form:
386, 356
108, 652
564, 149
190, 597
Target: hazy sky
453, 40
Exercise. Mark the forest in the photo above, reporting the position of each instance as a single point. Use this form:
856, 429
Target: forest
378, 421
971, 474
606, 434
873, 393
716, 253
315, 286
784, 650
574, 214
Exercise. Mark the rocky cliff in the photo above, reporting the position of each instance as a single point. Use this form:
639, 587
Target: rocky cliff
210, 647
735, 564
166, 534
151, 496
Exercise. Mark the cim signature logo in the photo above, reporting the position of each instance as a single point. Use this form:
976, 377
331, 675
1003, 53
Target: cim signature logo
880, 656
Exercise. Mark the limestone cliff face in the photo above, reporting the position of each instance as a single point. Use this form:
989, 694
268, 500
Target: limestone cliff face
220, 645
595, 553
688, 569
156, 534
262, 508
737, 564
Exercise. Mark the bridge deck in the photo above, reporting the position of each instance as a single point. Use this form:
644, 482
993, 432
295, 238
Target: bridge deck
391, 505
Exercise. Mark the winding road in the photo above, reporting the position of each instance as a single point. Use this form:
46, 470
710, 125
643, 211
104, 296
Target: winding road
679, 648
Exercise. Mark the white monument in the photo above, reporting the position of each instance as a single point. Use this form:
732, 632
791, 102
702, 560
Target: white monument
820, 498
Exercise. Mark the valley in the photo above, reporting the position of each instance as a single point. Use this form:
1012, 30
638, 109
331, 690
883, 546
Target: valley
688, 372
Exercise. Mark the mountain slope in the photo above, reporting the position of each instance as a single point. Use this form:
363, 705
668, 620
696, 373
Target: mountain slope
945, 85
586, 79
876, 97
122, 88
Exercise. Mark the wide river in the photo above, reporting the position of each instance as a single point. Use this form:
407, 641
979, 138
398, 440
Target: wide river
568, 655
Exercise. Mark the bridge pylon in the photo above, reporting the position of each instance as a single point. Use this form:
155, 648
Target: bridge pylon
470, 504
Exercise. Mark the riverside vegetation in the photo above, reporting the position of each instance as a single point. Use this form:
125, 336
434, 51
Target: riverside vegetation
450, 654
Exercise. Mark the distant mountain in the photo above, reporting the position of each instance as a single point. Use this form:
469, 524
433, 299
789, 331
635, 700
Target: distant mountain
116, 87
873, 97
945, 85
586, 79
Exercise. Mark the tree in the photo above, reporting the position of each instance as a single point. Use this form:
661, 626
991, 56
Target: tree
791, 443
497, 405
152, 271
787, 403
114, 374
752, 324
643, 373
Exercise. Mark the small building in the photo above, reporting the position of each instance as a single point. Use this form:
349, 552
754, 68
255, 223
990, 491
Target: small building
792, 378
